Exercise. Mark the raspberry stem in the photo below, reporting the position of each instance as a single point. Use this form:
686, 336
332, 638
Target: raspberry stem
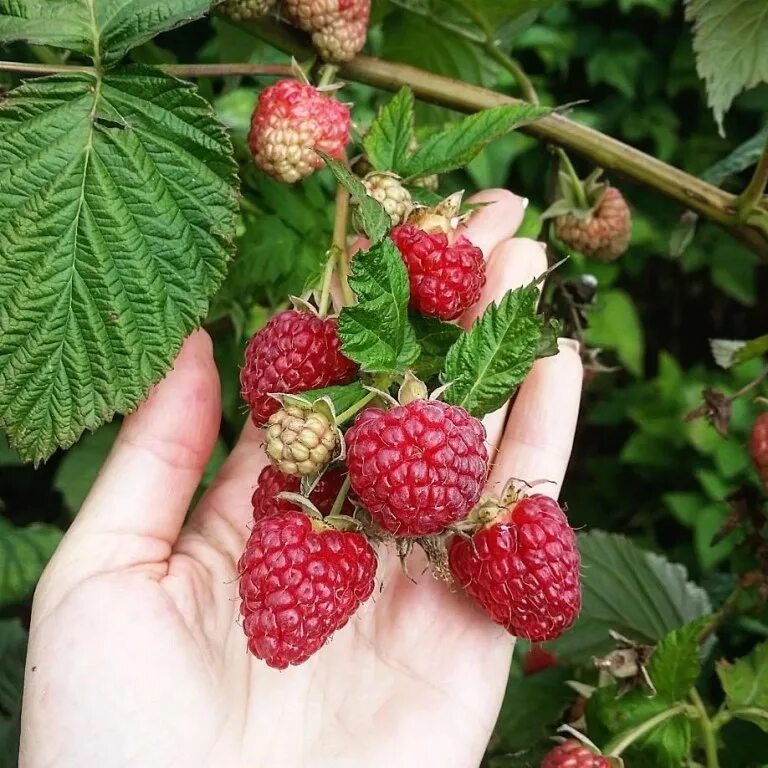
576, 184
327, 75
616, 746
356, 408
341, 497
339, 250
708, 733
325, 289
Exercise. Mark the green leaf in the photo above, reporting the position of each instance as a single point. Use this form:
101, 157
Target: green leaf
487, 363
745, 683
23, 555
743, 157
676, 664
728, 353
546, 696
729, 41
389, 139
612, 717
13, 652
117, 216
615, 324
435, 339
81, 464
375, 332
638, 593
375, 220
342, 397
101, 29
460, 142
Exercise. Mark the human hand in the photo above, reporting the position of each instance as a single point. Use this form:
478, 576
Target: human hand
136, 656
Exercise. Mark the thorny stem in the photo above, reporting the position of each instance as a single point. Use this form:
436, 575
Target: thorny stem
340, 498
491, 47
604, 151
750, 197
708, 732
616, 746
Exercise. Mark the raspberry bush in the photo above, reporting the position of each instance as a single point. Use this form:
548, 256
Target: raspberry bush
150, 183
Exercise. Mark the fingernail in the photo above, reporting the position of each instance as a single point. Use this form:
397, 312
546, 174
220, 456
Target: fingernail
572, 344
524, 202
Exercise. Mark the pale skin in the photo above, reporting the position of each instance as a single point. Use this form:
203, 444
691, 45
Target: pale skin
137, 656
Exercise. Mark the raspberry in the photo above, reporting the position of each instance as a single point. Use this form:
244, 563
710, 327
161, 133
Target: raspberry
537, 660
300, 441
338, 27
294, 352
272, 482
758, 446
290, 122
445, 278
418, 467
604, 233
394, 197
242, 10
573, 754
300, 581
523, 568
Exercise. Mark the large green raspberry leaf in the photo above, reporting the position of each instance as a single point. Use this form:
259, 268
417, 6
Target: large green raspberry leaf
117, 215
101, 29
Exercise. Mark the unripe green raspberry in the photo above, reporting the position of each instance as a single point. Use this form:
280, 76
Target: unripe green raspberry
242, 10
394, 197
300, 441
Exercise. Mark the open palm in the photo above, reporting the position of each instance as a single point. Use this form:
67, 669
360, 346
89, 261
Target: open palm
136, 654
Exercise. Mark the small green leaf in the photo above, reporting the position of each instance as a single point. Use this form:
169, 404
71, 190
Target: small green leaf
117, 219
729, 41
745, 683
615, 718
728, 353
743, 157
388, 141
676, 664
101, 29
487, 363
375, 220
342, 397
435, 339
460, 142
375, 332
638, 593
23, 555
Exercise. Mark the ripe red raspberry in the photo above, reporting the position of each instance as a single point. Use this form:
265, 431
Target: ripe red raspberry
537, 660
445, 278
604, 233
300, 581
290, 122
294, 352
272, 481
758, 446
523, 568
418, 467
338, 27
573, 754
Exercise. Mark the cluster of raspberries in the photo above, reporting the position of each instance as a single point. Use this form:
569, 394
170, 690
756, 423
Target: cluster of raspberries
405, 473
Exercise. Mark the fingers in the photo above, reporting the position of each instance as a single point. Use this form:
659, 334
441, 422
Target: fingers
513, 263
539, 434
497, 220
145, 487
